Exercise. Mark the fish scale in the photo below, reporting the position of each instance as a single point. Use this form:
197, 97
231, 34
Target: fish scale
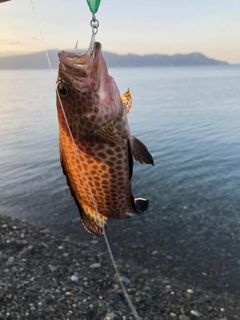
97, 156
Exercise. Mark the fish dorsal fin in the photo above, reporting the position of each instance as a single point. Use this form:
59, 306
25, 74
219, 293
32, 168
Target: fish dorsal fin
141, 204
108, 134
93, 222
127, 100
140, 152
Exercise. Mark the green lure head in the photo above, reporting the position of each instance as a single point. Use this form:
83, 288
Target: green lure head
93, 5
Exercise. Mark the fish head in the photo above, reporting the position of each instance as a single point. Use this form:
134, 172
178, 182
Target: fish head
83, 86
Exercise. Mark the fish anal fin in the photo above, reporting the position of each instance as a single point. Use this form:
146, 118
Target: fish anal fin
140, 152
108, 134
141, 205
127, 101
93, 222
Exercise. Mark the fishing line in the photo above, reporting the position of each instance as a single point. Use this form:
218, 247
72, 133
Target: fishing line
41, 36
126, 295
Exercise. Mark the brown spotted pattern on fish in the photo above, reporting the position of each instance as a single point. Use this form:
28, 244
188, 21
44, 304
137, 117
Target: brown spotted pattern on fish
98, 165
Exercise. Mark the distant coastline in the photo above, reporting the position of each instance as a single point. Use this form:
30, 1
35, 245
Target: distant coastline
38, 60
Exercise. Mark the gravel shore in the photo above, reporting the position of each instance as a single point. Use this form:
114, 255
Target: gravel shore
45, 276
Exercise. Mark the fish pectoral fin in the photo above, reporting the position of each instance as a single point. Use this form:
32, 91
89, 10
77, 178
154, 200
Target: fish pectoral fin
93, 222
108, 134
127, 101
141, 205
140, 152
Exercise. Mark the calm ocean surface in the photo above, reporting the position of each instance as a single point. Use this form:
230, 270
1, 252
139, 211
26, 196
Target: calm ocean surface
188, 117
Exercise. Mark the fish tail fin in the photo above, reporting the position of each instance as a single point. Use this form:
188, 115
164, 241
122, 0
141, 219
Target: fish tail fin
141, 205
92, 222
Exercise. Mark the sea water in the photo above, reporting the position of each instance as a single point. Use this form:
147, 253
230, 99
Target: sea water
189, 118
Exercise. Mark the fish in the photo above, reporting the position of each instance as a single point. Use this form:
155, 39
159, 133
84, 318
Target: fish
97, 150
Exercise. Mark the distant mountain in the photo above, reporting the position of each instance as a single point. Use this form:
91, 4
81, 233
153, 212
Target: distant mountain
39, 61
155, 60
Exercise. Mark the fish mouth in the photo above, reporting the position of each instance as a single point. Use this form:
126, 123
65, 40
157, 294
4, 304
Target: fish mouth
75, 65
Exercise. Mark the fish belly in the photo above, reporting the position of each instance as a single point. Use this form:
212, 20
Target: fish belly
98, 177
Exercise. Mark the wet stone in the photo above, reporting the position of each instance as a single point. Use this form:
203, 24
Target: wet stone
94, 241
190, 291
147, 288
172, 314
74, 278
196, 313
95, 266
183, 317
125, 280
166, 281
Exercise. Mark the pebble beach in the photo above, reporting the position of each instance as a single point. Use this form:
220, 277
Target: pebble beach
49, 276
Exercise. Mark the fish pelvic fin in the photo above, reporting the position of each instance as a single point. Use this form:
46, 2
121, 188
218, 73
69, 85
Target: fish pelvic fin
140, 152
93, 222
141, 205
127, 101
108, 134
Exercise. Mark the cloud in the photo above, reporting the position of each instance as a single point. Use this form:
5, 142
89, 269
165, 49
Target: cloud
32, 38
6, 42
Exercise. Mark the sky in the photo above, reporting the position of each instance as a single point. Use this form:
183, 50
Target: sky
211, 27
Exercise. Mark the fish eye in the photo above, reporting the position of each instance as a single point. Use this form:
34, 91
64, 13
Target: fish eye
63, 90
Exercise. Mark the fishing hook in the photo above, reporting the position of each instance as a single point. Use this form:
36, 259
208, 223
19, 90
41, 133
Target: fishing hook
94, 23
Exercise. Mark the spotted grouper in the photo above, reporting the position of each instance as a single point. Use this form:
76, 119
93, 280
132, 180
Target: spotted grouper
96, 146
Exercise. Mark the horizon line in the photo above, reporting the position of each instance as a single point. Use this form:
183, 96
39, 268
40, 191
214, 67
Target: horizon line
119, 54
